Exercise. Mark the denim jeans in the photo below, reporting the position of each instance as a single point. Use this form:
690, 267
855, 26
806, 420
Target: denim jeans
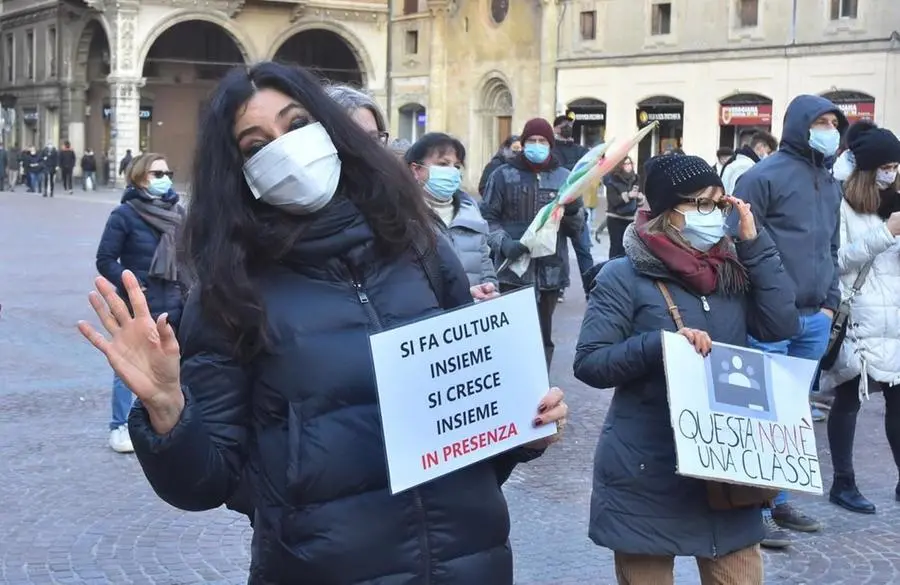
122, 399
810, 343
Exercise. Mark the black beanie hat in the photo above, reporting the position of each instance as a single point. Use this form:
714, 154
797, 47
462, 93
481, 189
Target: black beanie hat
670, 177
873, 147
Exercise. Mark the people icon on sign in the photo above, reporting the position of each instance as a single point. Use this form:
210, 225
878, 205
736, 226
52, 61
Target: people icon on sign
738, 376
736, 379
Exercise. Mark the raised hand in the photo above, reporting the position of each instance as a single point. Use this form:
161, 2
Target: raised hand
143, 352
747, 223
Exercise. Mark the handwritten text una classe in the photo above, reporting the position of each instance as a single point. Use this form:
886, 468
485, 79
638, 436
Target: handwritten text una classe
755, 450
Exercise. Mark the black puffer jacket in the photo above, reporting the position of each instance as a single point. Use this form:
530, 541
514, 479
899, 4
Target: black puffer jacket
301, 423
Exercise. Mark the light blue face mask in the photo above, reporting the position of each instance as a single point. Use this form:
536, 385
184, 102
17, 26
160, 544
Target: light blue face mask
443, 182
703, 230
159, 186
537, 153
825, 140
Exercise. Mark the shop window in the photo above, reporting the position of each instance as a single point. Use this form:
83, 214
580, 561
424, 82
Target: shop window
588, 25
29, 54
844, 9
412, 42
51, 51
410, 6
9, 57
661, 22
748, 13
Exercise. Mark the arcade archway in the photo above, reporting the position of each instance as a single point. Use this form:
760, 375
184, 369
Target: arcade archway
325, 53
182, 66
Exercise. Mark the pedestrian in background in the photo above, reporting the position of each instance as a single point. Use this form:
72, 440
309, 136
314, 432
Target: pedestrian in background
623, 197
680, 273
140, 236
4, 165
67, 166
795, 197
869, 258
88, 170
50, 162
761, 145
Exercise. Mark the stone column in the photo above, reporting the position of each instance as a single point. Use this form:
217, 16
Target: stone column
125, 84
73, 123
437, 81
549, 55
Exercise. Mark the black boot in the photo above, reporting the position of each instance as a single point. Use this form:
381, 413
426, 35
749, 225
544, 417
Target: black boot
845, 494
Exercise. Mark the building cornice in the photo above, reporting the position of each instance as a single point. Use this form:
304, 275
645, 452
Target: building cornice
373, 13
28, 16
771, 52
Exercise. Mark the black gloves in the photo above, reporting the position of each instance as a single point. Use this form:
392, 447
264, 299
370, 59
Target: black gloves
512, 249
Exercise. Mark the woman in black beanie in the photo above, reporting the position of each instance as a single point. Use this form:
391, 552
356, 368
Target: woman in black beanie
724, 289
869, 258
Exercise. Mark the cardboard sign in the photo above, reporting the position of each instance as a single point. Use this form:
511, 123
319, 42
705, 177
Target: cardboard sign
742, 416
460, 387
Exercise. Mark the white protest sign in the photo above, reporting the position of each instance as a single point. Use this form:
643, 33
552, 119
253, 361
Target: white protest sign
742, 416
460, 387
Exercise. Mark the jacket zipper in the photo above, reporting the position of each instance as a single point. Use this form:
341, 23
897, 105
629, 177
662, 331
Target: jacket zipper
419, 505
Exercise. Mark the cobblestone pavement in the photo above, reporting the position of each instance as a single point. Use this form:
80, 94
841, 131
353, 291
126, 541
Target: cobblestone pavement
72, 511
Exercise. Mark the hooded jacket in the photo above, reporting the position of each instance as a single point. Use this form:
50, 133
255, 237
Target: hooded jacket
793, 194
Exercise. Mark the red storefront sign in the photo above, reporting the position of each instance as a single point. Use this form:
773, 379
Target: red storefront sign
857, 111
746, 115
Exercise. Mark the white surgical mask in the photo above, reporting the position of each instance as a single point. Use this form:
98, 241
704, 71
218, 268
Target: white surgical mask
703, 230
844, 166
885, 179
298, 173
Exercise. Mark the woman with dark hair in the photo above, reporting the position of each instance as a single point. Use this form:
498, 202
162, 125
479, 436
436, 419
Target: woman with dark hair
305, 237
869, 262
510, 148
623, 197
436, 160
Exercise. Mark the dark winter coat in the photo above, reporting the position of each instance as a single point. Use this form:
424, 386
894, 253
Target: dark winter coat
568, 153
512, 200
301, 425
796, 198
497, 161
89, 163
50, 159
639, 504
616, 186
128, 242
4, 159
67, 159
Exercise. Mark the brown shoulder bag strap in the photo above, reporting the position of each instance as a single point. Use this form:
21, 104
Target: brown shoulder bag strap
670, 304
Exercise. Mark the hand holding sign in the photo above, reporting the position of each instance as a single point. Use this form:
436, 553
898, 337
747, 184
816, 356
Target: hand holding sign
699, 339
484, 292
551, 410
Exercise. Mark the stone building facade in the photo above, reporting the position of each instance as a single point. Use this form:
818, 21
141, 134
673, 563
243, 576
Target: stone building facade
133, 74
477, 69
714, 71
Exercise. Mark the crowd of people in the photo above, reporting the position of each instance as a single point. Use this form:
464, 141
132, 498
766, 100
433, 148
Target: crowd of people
39, 171
253, 400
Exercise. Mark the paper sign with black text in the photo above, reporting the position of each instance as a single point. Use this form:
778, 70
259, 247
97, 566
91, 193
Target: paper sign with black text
742, 416
460, 387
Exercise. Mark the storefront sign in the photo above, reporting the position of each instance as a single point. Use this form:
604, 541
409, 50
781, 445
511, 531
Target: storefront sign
858, 111
421, 118
731, 422
746, 115
586, 117
30, 116
662, 116
145, 113
460, 387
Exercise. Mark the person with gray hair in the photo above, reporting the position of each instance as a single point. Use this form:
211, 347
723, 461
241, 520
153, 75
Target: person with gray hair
362, 108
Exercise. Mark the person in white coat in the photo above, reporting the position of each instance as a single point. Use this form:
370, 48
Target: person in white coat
761, 145
869, 359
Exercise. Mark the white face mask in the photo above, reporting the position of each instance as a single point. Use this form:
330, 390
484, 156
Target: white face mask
885, 179
298, 173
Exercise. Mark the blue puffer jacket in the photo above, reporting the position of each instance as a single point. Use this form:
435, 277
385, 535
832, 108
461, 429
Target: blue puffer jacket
639, 504
301, 425
793, 194
129, 243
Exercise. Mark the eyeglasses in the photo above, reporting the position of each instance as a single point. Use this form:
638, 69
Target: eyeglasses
161, 174
707, 206
381, 137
